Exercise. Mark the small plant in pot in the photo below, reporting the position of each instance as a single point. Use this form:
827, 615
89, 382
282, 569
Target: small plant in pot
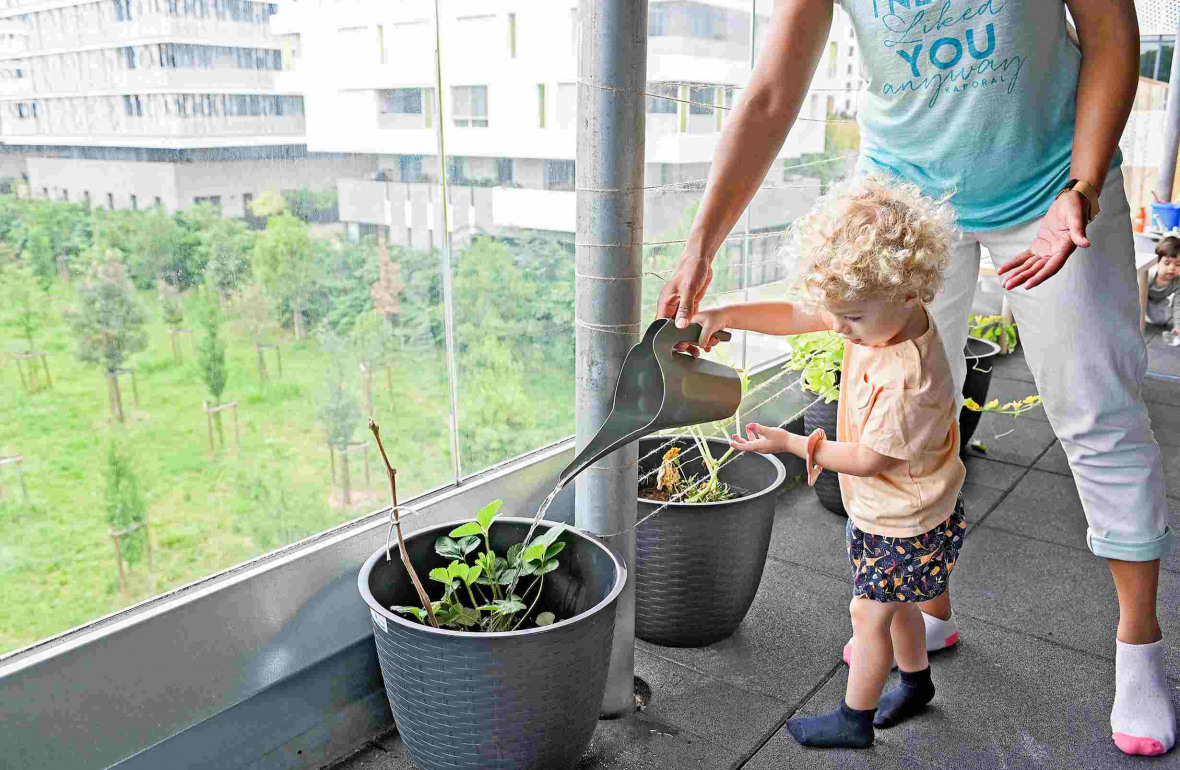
502, 661
699, 558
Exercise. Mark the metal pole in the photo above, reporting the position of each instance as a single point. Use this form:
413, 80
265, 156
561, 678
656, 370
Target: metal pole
448, 310
612, 74
1171, 126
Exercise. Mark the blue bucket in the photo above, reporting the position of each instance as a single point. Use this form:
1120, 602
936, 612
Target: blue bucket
1165, 216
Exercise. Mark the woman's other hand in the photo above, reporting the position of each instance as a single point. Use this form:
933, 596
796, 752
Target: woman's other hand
1062, 230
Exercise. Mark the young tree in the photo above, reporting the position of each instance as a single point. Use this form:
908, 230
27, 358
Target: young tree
224, 248
269, 203
125, 506
21, 301
371, 343
211, 358
284, 259
339, 410
108, 324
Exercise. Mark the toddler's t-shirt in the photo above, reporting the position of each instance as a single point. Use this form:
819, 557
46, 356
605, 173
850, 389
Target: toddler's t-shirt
899, 401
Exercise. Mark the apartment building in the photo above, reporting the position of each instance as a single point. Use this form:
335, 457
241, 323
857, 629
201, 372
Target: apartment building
134, 103
509, 105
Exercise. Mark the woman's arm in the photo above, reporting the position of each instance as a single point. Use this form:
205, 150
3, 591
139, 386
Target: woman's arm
1108, 32
782, 319
749, 143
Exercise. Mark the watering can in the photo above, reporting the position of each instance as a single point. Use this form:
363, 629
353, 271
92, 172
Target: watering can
658, 389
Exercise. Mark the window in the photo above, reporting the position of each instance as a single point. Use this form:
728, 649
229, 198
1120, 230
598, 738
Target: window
132, 106
541, 104
410, 168
849, 69
402, 101
86, 196
157, 203
559, 175
658, 20
504, 171
44, 192
211, 200
248, 203
122, 10
381, 43
660, 106
129, 57
832, 54
700, 97
567, 105
111, 201
457, 170
134, 203
851, 51
65, 195
512, 35
470, 106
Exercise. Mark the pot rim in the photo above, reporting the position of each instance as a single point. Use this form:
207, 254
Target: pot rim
780, 477
389, 615
995, 349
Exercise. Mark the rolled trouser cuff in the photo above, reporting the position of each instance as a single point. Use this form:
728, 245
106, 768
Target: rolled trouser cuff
1146, 550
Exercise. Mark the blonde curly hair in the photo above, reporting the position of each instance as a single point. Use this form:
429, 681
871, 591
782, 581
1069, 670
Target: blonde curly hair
873, 237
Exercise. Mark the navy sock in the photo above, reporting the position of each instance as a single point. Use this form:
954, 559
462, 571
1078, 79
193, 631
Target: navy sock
843, 728
906, 700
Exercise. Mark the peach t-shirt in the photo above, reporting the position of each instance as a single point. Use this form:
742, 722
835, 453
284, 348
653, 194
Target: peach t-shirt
899, 401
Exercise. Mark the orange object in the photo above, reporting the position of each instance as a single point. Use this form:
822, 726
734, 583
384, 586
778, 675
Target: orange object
1140, 220
813, 468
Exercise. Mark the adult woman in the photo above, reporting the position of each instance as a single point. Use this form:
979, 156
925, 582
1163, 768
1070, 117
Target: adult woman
996, 102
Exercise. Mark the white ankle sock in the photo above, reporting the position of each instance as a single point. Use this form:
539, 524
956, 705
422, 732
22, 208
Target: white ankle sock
940, 633
1143, 720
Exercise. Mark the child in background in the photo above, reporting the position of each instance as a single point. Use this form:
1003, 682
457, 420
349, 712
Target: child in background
871, 255
1162, 282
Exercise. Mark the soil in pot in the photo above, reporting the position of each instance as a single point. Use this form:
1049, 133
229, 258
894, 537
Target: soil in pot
698, 565
521, 699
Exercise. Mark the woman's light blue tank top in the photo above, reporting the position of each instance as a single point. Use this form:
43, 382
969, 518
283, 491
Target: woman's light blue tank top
973, 97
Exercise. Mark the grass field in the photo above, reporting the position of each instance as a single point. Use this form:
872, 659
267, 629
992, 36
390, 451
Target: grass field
206, 510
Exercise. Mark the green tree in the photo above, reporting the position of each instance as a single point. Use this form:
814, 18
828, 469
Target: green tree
171, 306
285, 261
372, 344
125, 506
339, 410
22, 302
108, 324
211, 359
224, 248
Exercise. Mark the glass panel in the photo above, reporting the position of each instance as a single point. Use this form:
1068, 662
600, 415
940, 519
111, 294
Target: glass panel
283, 284
1164, 72
1148, 57
512, 220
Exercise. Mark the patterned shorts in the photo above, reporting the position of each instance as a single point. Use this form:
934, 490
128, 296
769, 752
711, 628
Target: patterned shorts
905, 569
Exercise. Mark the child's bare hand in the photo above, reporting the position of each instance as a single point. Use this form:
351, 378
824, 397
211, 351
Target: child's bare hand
711, 321
761, 439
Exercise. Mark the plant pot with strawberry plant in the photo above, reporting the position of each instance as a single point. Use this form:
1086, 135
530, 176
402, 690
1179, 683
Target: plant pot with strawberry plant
699, 557
500, 657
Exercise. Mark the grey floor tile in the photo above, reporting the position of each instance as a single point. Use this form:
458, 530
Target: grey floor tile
1051, 592
808, 535
375, 758
1004, 701
644, 743
1165, 423
1007, 390
978, 501
693, 702
1162, 391
1013, 440
791, 638
1054, 461
1046, 506
1161, 358
1012, 367
990, 473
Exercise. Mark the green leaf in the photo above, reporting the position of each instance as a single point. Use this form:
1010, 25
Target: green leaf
417, 612
447, 548
473, 575
470, 528
468, 616
554, 549
549, 537
508, 606
488, 514
458, 569
514, 553
535, 552
547, 567
469, 544
441, 575
546, 619
507, 576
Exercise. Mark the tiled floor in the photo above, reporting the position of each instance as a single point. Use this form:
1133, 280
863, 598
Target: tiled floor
1029, 686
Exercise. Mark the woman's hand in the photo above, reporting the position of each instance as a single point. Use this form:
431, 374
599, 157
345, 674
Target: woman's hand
1062, 230
762, 439
681, 296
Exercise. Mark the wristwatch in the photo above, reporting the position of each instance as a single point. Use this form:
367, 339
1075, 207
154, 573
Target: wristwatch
1088, 191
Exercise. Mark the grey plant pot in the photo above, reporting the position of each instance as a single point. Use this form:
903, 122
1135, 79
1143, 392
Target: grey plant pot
698, 565
520, 699
981, 357
827, 485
